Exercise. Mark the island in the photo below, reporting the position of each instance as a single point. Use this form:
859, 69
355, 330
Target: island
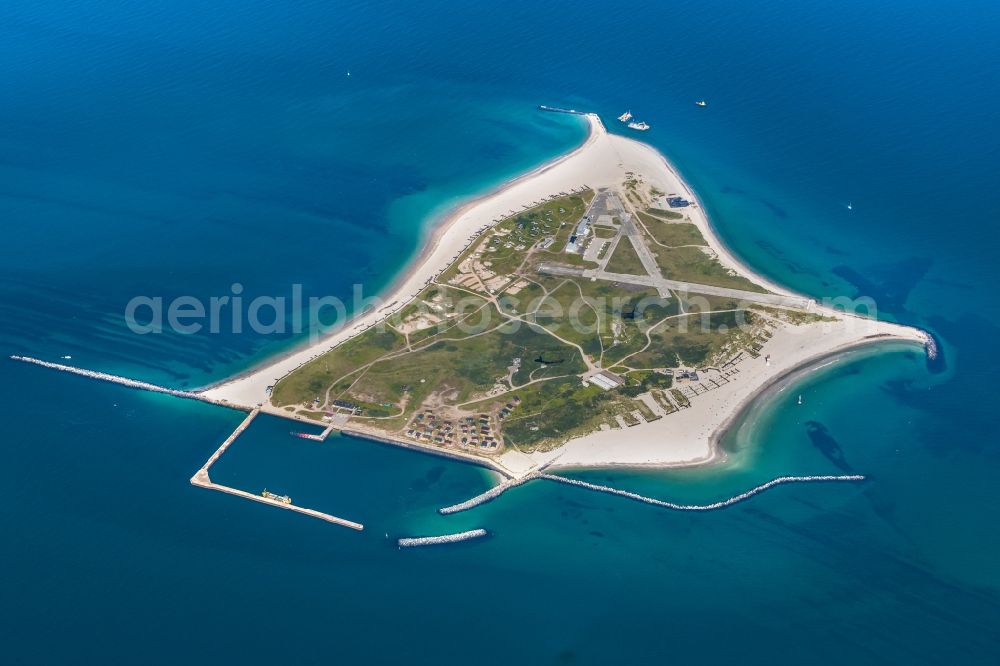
585, 314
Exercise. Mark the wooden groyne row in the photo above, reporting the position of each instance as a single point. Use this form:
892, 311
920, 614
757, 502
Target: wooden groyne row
123, 381
411, 542
702, 507
490, 494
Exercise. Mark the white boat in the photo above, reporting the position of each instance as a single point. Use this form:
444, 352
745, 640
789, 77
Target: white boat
640, 126
625, 117
800, 399
67, 357
701, 102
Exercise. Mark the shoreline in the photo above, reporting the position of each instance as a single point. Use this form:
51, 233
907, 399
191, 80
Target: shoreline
692, 438
726, 256
793, 375
764, 393
429, 241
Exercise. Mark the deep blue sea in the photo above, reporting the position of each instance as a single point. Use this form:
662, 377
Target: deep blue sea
178, 148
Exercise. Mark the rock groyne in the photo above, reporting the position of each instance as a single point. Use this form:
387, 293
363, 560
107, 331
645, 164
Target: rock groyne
412, 542
490, 494
123, 381
703, 507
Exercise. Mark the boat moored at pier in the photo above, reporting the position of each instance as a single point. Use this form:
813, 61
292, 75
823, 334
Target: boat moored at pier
284, 499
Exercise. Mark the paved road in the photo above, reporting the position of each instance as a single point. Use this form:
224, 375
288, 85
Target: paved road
632, 232
629, 232
665, 286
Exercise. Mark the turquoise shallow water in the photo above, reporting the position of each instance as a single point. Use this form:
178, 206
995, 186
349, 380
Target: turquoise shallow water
171, 149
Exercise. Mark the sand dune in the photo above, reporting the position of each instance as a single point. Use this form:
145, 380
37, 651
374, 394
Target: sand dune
685, 437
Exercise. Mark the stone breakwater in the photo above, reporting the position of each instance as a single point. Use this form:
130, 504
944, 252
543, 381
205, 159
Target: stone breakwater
490, 494
412, 542
931, 347
702, 507
115, 379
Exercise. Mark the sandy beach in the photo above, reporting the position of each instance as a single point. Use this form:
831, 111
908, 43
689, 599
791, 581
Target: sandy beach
682, 438
691, 435
590, 164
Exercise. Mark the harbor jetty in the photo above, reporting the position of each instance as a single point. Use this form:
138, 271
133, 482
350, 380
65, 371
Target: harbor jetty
202, 479
556, 109
321, 437
490, 494
123, 381
412, 542
703, 507
229, 440
507, 484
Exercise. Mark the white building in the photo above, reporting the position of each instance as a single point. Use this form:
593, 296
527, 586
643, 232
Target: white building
605, 380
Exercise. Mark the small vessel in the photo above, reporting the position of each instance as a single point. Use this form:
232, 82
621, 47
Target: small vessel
284, 499
640, 126
850, 206
800, 399
701, 102
67, 357
625, 117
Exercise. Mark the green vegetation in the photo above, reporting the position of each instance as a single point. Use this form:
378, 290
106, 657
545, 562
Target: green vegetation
507, 242
604, 251
314, 378
700, 339
672, 234
680, 398
664, 214
625, 259
565, 313
555, 411
646, 411
796, 317
645, 380
457, 369
622, 315
693, 264
576, 260
663, 401
552, 412
494, 341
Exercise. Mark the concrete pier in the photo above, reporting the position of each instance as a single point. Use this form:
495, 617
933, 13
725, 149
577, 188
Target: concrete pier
321, 437
229, 440
202, 479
